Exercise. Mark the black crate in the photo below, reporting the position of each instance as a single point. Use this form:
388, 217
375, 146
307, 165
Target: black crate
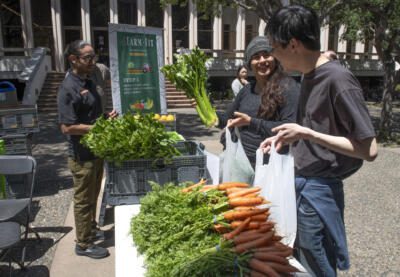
125, 184
21, 119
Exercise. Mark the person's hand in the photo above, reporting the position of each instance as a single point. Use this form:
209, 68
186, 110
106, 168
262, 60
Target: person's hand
112, 114
266, 144
244, 81
289, 133
241, 119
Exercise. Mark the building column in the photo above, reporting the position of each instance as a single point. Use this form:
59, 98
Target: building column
324, 38
217, 31
261, 27
192, 25
57, 35
141, 13
168, 34
240, 31
26, 20
114, 11
342, 44
85, 15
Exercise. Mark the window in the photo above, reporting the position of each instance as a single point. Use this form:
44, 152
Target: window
226, 37
154, 14
180, 30
127, 12
11, 24
99, 12
204, 33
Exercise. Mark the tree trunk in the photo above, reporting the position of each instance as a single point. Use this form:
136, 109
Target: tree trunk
386, 120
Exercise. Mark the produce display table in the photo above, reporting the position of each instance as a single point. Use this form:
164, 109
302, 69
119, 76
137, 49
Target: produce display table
127, 260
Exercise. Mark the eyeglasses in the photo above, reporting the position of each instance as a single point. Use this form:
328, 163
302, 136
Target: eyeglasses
89, 58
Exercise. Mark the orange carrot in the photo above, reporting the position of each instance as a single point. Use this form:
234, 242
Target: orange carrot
255, 273
272, 250
244, 192
235, 215
281, 268
228, 185
244, 208
208, 187
190, 188
238, 230
252, 194
263, 268
220, 229
243, 201
232, 190
250, 226
260, 217
262, 241
270, 257
245, 238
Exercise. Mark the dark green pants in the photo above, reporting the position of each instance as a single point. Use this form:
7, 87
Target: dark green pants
87, 178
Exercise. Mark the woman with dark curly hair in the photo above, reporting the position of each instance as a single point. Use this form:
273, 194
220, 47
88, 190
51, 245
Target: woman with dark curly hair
263, 104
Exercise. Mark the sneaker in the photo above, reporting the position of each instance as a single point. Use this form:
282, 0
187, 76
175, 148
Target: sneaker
93, 251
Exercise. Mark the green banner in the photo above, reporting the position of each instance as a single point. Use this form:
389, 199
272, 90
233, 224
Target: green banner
138, 72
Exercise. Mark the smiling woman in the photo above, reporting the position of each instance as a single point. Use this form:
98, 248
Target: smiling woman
261, 105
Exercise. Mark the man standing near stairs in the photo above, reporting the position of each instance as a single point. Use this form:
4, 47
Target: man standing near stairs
79, 105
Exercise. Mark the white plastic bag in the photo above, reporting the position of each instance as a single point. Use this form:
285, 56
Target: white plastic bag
276, 180
236, 166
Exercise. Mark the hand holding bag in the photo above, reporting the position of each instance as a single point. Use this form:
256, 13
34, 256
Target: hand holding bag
236, 167
276, 180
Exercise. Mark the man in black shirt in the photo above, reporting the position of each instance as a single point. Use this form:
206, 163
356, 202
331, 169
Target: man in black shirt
79, 105
332, 137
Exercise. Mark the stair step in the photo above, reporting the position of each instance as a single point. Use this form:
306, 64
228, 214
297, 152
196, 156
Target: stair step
177, 106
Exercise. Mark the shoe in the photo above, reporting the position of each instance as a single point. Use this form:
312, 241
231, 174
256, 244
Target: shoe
97, 235
93, 251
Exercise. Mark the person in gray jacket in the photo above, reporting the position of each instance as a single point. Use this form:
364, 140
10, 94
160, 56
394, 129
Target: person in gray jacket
269, 101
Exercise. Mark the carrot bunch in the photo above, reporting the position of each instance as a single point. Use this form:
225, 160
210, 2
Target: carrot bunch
247, 232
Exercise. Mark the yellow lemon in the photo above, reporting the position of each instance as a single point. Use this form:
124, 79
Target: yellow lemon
170, 117
156, 116
163, 117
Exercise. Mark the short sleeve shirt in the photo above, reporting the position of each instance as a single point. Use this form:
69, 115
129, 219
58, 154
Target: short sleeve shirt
78, 103
331, 102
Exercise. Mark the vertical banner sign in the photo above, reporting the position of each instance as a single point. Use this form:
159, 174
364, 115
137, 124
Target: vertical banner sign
136, 56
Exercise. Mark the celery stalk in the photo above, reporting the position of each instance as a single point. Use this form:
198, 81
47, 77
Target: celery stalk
189, 74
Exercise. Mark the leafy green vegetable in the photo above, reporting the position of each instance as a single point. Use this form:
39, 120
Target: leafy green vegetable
189, 73
173, 227
130, 137
175, 136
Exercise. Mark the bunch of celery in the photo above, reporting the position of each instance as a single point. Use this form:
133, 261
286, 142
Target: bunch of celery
189, 73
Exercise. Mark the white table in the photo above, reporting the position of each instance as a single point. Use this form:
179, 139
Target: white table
128, 262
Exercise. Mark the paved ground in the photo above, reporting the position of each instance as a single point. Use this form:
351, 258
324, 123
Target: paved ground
372, 209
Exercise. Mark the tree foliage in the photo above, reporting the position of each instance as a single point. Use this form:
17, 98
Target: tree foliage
377, 21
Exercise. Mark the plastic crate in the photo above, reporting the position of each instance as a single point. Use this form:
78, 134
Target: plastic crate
125, 184
22, 119
17, 144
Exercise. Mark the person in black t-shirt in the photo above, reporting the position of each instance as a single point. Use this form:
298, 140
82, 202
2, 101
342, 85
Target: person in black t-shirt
261, 105
332, 137
79, 105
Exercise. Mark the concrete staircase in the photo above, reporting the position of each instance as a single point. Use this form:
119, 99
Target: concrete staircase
176, 99
47, 102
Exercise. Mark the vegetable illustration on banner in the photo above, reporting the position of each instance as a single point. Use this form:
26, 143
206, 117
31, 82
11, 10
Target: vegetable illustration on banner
139, 80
